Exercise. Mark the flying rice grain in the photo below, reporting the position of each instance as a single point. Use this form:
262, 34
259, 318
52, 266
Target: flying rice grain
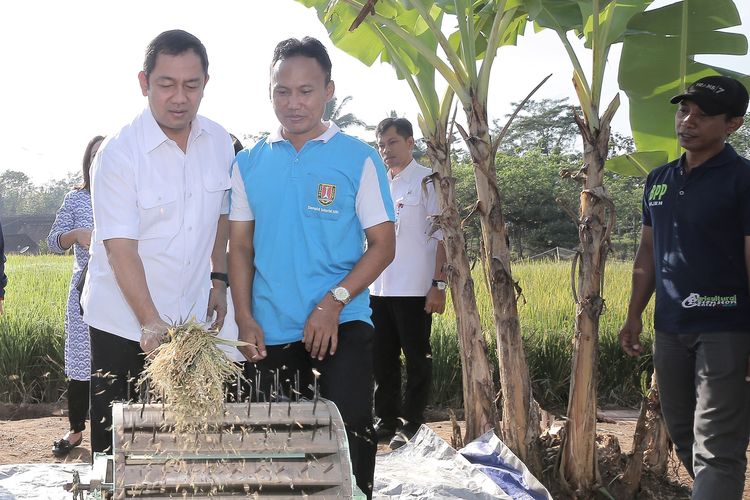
189, 370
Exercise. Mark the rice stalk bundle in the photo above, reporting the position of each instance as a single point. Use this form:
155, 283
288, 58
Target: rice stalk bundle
188, 371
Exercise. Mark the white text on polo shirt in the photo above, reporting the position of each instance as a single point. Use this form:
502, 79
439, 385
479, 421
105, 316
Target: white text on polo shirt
323, 210
698, 300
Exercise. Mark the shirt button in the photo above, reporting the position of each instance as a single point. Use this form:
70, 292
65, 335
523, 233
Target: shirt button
682, 192
296, 160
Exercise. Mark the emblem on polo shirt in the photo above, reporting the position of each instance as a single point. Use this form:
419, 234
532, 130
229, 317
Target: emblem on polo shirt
656, 194
326, 194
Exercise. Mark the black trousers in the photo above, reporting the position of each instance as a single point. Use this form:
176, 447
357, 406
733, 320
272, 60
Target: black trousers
345, 378
116, 365
401, 323
78, 404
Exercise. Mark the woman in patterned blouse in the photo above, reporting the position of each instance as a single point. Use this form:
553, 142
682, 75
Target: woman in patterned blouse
72, 228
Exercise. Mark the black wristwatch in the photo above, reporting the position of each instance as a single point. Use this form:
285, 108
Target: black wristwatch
440, 284
221, 276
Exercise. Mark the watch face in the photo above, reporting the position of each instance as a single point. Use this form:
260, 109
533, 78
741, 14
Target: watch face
341, 294
441, 285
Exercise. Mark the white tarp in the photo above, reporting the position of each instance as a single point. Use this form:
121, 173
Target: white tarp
427, 467
38, 481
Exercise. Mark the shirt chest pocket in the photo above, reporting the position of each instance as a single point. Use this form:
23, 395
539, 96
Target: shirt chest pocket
158, 210
410, 213
216, 185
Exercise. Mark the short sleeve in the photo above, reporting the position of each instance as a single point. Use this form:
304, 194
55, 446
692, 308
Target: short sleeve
240, 208
64, 222
373, 202
114, 197
645, 212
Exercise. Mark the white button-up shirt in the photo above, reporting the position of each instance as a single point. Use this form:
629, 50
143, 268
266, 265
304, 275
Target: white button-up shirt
145, 188
411, 272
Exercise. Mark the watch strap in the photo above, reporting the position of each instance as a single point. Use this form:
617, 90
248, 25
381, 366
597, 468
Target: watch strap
221, 277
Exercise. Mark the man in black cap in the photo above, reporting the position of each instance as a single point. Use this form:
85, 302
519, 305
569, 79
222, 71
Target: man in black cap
695, 254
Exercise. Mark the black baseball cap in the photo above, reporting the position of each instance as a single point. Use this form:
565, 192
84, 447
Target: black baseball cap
717, 95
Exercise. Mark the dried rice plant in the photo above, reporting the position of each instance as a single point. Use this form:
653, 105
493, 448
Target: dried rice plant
188, 370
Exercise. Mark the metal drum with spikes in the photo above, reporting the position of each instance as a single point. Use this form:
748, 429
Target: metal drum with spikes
278, 450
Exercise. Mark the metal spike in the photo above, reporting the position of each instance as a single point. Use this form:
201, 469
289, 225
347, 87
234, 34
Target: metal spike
249, 399
153, 436
330, 427
127, 383
257, 385
239, 388
296, 386
315, 430
277, 389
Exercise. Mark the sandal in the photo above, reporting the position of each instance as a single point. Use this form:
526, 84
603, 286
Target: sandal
62, 447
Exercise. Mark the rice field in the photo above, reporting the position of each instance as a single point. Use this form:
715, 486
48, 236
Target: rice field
31, 350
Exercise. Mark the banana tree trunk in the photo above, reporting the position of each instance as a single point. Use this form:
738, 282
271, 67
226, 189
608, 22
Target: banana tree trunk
520, 419
650, 443
578, 461
478, 387
658, 444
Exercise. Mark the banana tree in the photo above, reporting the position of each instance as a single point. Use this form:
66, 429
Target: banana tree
655, 64
601, 23
382, 36
392, 30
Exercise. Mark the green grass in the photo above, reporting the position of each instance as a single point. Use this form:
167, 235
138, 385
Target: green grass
548, 323
31, 351
32, 327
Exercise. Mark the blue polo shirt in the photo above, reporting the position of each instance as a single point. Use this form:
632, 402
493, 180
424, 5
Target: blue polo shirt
310, 210
699, 224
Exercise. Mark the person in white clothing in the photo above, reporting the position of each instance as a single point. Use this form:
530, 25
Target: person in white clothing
158, 248
412, 288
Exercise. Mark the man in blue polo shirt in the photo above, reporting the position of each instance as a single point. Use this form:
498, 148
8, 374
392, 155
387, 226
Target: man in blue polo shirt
305, 201
695, 254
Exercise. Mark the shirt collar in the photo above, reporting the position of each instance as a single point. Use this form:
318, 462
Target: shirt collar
154, 136
331, 130
725, 157
407, 172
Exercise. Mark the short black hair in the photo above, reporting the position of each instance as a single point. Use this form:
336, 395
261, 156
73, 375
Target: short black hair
403, 127
307, 47
174, 43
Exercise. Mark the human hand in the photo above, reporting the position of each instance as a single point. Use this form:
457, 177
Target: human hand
630, 335
322, 329
152, 334
435, 301
217, 304
83, 237
251, 332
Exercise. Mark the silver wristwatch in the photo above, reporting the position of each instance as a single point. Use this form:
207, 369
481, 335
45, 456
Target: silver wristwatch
341, 294
440, 284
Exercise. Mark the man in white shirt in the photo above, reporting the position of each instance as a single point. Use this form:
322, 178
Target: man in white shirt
159, 194
406, 294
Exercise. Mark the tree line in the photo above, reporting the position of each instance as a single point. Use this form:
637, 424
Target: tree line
533, 166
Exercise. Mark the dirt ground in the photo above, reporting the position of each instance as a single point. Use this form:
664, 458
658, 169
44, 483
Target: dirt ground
27, 434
